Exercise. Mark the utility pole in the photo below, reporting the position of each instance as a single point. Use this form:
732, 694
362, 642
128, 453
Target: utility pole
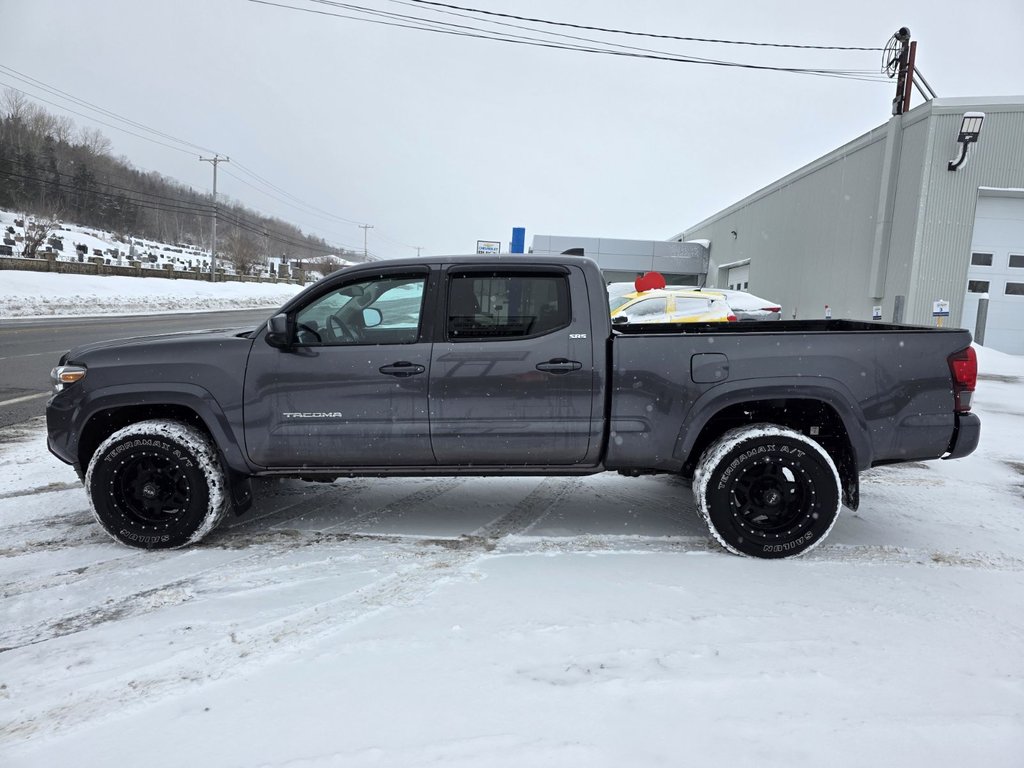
213, 247
266, 243
418, 249
902, 66
365, 228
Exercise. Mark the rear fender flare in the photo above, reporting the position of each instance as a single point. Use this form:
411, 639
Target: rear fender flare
828, 391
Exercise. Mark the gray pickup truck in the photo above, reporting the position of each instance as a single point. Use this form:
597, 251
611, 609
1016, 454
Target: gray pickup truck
506, 365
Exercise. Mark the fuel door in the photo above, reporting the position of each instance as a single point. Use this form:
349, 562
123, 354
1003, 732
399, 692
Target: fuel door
709, 368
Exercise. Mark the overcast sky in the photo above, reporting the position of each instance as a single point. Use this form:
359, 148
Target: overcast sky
438, 141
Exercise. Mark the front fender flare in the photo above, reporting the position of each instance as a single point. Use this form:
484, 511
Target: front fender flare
191, 396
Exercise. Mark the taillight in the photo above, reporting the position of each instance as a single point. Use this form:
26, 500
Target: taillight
732, 319
964, 367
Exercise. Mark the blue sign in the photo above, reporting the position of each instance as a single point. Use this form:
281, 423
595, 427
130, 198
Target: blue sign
518, 240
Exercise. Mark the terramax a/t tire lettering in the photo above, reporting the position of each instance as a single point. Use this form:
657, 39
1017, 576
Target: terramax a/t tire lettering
767, 491
157, 485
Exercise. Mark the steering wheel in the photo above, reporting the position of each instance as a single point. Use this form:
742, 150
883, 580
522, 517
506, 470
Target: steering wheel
340, 331
310, 329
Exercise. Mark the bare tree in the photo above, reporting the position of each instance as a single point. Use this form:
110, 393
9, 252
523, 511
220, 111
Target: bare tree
39, 121
64, 129
36, 233
94, 141
326, 264
14, 103
244, 253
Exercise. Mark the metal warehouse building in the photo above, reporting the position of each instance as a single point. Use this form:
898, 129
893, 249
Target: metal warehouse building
887, 221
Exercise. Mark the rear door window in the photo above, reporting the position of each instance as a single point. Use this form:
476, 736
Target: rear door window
506, 306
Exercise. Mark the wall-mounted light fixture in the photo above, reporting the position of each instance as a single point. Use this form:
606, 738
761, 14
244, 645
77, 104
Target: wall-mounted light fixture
970, 130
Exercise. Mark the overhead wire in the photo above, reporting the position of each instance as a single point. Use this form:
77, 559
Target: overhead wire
457, 30
419, 23
224, 214
50, 90
92, 118
639, 34
693, 59
240, 180
46, 88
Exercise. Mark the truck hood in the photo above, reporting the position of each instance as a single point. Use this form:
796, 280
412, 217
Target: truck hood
178, 341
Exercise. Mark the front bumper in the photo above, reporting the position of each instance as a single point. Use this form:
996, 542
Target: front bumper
61, 439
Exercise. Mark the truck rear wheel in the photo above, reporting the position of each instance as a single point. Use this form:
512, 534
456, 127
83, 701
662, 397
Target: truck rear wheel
767, 491
157, 485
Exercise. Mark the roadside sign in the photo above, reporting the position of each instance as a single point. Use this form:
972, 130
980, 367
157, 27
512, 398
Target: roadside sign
876, 313
518, 244
940, 308
488, 247
828, 312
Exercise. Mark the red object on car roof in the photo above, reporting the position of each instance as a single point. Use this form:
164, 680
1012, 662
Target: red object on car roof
650, 281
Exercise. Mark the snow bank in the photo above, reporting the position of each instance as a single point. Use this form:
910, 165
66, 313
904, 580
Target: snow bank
42, 294
994, 363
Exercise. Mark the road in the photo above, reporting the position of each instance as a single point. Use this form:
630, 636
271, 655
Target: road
30, 348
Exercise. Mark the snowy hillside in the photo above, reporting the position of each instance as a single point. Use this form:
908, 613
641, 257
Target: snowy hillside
67, 240
41, 294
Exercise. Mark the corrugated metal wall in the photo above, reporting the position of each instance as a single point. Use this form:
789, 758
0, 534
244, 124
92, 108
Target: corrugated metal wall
811, 236
949, 200
808, 236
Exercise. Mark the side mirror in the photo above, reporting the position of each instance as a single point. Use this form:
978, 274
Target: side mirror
280, 331
372, 317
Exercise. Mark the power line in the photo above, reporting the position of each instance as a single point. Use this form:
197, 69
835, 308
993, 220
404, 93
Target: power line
57, 93
51, 90
435, 25
92, 118
640, 34
453, 30
313, 208
200, 211
240, 180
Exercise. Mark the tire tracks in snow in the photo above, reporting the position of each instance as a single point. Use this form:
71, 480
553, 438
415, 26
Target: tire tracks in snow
425, 565
826, 554
413, 567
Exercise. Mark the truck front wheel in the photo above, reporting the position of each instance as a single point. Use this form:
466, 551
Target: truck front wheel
157, 485
767, 491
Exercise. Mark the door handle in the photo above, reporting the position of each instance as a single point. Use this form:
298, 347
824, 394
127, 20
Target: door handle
402, 369
559, 365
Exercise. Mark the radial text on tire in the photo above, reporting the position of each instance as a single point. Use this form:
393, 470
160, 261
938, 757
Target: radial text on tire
157, 485
767, 491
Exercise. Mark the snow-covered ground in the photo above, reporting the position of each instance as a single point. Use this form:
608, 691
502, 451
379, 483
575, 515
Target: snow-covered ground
521, 622
42, 294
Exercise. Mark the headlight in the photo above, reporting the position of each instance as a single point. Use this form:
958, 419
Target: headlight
64, 375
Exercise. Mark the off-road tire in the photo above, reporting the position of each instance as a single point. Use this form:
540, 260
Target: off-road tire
767, 491
157, 485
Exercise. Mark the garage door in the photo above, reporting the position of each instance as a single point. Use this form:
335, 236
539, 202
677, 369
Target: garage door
997, 268
739, 278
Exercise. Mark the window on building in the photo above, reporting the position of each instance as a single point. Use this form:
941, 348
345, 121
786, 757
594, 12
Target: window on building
1014, 289
1016, 261
977, 286
981, 259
